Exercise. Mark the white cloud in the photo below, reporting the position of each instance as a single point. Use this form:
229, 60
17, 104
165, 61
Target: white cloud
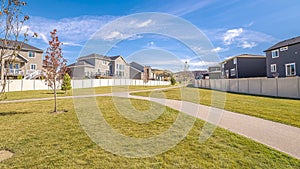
150, 44
239, 37
144, 24
72, 31
219, 49
71, 44
246, 44
230, 35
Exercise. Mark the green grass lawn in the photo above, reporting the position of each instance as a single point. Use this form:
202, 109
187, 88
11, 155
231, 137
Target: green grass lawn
43, 140
49, 93
285, 111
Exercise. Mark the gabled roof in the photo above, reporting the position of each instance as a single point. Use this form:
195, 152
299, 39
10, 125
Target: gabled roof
101, 57
25, 46
113, 58
137, 66
244, 56
94, 56
288, 42
81, 63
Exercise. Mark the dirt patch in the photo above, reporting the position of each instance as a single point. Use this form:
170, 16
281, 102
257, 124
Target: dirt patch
4, 154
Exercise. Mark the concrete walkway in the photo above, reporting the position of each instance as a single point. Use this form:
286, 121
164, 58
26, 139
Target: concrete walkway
279, 136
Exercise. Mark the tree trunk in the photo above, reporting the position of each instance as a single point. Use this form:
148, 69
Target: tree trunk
55, 104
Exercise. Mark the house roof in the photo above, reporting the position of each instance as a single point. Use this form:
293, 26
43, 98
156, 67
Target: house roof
244, 56
287, 42
113, 58
81, 63
96, 56
137, 66
101, 57
25, 46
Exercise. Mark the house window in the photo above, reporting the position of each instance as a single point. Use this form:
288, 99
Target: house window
234, 60
31, 54
232, 72
290, 69
104, 62
227, 73
284, 48
273, 68
33, 67
275, 53
17, 66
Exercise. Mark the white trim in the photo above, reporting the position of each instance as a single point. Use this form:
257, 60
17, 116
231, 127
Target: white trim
234, 72
235, 61
284, 48
32, 65
286, 69
34, 53
273, 68
273, 51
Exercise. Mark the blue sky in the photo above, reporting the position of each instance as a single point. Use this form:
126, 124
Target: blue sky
233, 27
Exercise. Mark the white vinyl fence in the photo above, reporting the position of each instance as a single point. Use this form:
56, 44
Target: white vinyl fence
278, 87
22, 85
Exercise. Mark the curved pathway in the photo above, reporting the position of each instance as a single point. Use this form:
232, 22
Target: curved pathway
279, 136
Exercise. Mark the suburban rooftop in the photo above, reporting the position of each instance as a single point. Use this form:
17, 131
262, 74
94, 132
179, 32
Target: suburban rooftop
287, 42
244, 56
25, 46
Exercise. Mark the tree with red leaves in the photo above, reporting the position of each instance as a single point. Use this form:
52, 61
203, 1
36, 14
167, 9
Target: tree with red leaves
55, 65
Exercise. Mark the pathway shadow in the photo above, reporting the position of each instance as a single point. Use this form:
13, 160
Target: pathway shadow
13, 113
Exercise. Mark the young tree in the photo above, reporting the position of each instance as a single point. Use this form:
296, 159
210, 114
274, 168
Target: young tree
11, 31
173, 81
66, 85
55, 65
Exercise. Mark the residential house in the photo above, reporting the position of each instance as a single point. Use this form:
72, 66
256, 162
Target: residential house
28, 61
99, 66
119, 67
283, 58
214, 72
244, 66
164, 75
138, 71
199, 74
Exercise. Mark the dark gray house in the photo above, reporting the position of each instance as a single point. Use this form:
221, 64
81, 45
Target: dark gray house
214, 72
283, 59
244, 66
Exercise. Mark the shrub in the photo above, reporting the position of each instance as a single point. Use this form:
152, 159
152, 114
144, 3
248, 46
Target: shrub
66, 85
173, 81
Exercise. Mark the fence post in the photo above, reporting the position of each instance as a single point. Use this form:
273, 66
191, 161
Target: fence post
276, 86
238, 84
298, 86
248, 89
22, 85
260, 80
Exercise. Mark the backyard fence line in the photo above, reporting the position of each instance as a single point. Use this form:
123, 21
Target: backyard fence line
24, 85
277, 87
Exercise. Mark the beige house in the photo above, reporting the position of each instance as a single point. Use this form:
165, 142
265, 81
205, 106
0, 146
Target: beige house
99, 66
27, 62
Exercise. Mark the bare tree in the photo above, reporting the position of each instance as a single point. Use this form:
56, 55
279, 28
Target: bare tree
11, 31
55, 65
